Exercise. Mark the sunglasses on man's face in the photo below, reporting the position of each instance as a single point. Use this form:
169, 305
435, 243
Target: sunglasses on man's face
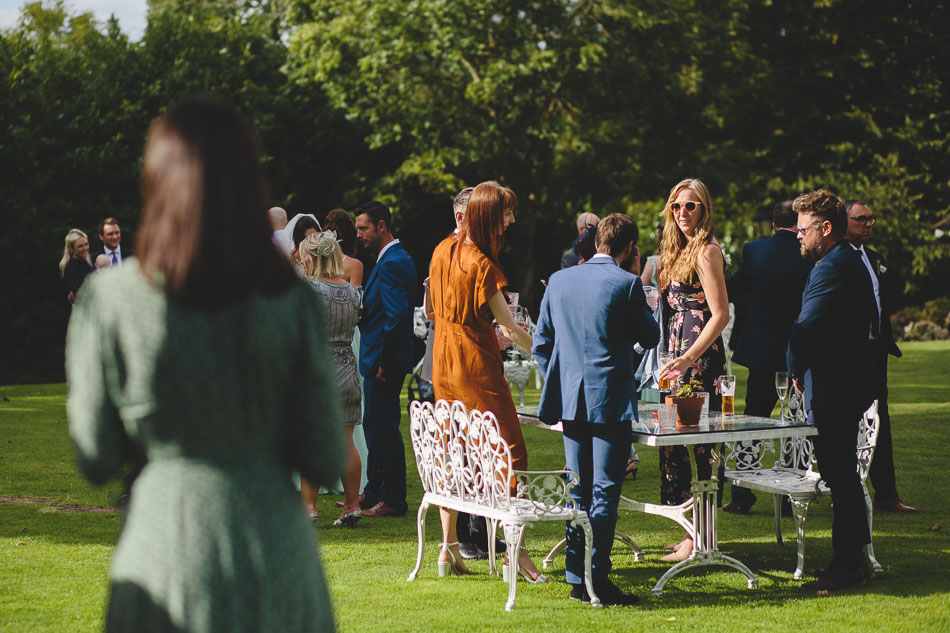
689, 206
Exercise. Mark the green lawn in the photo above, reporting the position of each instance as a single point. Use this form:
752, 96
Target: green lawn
54, 551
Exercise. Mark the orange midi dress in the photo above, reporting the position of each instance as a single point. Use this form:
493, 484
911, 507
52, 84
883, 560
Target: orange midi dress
466, 362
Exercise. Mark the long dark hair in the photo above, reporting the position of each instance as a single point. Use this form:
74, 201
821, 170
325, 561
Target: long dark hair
485, 217
205, 235
340, 221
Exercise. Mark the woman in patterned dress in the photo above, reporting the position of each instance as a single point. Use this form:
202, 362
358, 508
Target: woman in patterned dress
694, 285
322, 262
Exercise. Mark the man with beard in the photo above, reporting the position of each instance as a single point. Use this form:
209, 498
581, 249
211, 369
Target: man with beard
385, 359
829, 359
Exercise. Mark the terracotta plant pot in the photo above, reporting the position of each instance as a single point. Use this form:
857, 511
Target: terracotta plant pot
688, 410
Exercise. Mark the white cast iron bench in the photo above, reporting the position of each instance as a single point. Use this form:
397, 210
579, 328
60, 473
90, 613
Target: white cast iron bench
465, 465
795, 475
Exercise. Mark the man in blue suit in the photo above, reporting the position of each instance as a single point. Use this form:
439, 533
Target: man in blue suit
591, 317
829, 359
385, 359
771, 277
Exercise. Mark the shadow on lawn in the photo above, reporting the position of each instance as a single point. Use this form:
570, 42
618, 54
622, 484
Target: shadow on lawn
910, 569
25, 521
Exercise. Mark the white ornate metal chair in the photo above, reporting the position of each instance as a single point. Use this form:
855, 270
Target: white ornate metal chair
795, 475
465, 465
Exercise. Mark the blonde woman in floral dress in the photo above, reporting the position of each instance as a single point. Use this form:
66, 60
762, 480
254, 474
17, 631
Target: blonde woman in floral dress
694, 288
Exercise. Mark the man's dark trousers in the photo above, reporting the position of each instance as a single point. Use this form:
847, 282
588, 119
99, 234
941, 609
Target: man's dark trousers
836, 451
386, 456
882, 475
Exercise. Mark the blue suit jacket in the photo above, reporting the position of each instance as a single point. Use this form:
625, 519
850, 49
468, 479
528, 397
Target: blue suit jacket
386, 327
591, 316
773, 275
828, 344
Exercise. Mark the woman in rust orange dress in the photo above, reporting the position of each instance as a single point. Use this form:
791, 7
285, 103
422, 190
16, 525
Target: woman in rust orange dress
465, 292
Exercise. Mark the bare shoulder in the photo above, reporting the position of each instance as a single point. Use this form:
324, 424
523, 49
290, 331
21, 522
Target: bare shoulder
353, 270
711, 254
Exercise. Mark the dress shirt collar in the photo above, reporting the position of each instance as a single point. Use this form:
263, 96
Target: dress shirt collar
386, 248
603, 256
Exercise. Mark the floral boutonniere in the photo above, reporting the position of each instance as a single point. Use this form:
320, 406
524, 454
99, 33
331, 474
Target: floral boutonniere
881, 269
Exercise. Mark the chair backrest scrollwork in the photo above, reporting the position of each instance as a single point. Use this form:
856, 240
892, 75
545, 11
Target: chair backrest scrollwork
547, 491
796, 452
747, 455
867, 439
460, 453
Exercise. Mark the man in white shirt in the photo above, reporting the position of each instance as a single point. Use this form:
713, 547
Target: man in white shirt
386, 357
111, 237
882, 474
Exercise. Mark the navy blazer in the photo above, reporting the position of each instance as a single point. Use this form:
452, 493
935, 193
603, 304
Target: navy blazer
880, 271
124, 251
591, 317
773, 275
386, 326
829, 344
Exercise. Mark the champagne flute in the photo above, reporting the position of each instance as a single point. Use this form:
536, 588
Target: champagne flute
781, 387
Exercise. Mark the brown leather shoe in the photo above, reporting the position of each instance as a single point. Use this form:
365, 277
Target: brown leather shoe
894, 505
365, 504
382, 509
836, 578
734, 508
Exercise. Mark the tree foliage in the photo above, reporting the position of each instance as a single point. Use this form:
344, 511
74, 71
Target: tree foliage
598, 105
78, 97
579, 105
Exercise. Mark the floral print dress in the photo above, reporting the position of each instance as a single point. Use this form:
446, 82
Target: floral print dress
688, 313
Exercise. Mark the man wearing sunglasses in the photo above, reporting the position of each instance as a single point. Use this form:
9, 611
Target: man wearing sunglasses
882, 474
771, 277
829, 360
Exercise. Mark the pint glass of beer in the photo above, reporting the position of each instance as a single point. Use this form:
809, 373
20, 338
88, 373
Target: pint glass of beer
727, 387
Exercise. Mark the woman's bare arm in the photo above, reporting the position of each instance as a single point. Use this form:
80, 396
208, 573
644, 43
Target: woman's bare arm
499, 309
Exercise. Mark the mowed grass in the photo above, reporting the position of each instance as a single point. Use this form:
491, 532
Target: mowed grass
54, 562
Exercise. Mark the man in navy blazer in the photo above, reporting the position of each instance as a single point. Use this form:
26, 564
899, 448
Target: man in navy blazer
883, 477
829, 358
385, 359
591, 317
771, 276
111, 237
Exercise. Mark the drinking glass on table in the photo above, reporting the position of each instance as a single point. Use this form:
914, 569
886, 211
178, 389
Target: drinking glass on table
652, 295
664, 358
781, 387
727, 387
520, 315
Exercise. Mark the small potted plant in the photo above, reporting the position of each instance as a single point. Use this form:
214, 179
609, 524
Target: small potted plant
689, 404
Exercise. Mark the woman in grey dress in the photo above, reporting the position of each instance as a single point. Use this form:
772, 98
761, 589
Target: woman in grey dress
322, 262
206, 360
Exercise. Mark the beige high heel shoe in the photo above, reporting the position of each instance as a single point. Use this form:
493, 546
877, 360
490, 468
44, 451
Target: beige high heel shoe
684, 551
447, 568
506, 570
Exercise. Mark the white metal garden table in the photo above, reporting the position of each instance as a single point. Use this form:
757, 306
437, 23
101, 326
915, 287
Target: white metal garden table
699, 514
